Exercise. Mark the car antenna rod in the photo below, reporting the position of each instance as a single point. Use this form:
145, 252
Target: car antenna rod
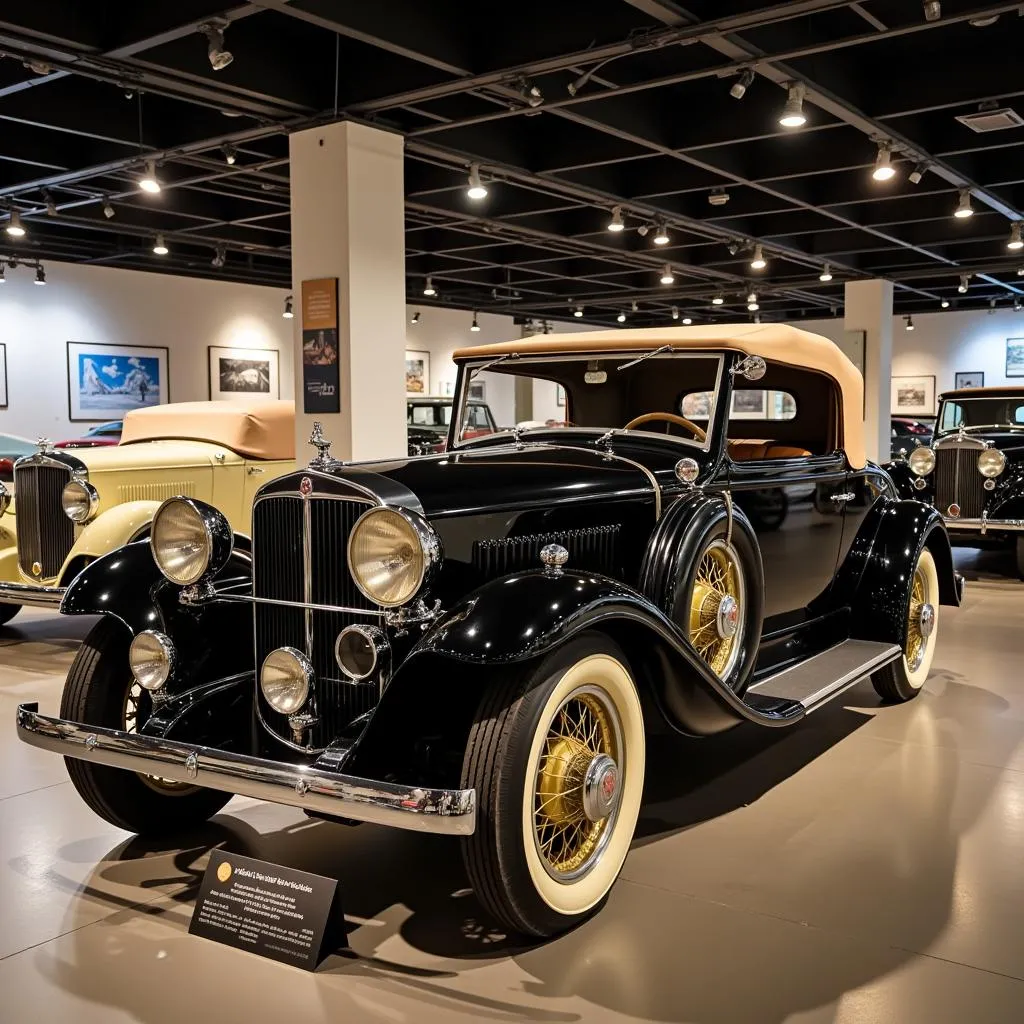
646, 355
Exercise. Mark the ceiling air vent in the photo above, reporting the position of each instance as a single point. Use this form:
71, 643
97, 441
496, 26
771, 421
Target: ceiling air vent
992, 120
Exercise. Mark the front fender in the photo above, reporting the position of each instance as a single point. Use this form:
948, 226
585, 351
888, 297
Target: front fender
903, 478
111, 530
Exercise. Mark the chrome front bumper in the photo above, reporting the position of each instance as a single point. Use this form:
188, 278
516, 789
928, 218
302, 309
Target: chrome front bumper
983, 524
32, 595
443, 811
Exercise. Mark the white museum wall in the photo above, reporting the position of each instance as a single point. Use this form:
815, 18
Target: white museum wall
124, 307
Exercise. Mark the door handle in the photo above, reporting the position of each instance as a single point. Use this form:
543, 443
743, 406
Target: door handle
253, 470
844, 496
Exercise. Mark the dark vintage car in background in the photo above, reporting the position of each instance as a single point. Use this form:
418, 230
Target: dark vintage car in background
908, 433
973, 472
428, 420
477, 643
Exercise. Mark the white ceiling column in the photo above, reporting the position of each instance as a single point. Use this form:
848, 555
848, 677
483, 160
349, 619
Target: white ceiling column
347, 221
868, 308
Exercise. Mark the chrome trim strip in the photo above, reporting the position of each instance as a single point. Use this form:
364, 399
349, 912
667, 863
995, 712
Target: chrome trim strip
307, 571
31, 596
249, 599
440, 811
979, 524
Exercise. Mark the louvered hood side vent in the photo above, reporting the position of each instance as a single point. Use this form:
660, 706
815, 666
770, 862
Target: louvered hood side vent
593, 549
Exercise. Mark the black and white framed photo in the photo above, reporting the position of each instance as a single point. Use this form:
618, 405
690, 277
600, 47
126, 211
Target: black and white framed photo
244, 373
104, 380
913, 396
970, 379
1015, 357
3, 376
478, 391
748, 404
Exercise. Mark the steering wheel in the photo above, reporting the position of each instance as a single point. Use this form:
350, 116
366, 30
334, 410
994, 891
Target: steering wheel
671, 417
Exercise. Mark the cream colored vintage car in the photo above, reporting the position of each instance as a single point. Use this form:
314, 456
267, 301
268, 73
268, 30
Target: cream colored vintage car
69, 507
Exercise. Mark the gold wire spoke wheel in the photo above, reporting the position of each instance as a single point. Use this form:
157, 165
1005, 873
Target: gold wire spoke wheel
920, 599
584, 731
716, 607
130, 717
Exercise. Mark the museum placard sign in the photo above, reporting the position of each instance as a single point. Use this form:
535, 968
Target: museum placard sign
321, 390
290, 916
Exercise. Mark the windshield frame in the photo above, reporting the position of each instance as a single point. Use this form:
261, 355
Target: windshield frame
469, 368
941, 431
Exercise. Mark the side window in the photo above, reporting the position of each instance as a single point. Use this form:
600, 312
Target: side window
952, 416
747, 404
421, 415
1018, 414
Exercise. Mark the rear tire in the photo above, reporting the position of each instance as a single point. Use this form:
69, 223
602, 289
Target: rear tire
542, 857
7, 612
100, 691
901, 680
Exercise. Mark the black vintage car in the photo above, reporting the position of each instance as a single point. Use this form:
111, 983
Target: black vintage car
428, 421
477, 643
973, 472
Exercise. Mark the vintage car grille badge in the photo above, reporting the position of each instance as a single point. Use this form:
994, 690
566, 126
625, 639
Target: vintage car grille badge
37, 569
954, 510
306, 487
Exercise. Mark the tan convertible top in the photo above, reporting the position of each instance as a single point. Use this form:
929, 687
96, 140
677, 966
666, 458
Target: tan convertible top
258, 428
777, 343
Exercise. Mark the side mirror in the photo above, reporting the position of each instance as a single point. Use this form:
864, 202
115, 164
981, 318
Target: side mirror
751, 368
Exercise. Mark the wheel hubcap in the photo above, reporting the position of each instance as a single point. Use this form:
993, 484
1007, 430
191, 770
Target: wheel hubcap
578, 784
716, 607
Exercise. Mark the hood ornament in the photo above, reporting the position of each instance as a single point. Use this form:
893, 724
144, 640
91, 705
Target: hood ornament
322, 446
44, 444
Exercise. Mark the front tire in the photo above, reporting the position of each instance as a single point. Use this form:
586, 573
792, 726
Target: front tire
556, 754
100, 691
901, 680
7, 612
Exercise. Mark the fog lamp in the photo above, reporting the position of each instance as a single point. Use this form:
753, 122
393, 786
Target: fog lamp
151, 659
922, 460
358, 649
285, 679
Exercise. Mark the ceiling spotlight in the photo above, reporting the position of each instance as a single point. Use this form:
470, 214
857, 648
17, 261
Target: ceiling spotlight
733, 247
214, 32
633, 306
1016, 304
932, 10
687, 320
963, 206
667, 277
752, 303
792, 115
910, 322
415, 319
574, 86
149, 182
40, 275
14, 226
578, 311
616, 223
826, 273
944, 303
675, 312
51, 206
962, 286
428, 287
718, 197
991, 307
661, 236
757, 318
739, 88
477, 189
621, 318
1020, 271
288, 311
758, 262
642, 230
219, 257
718, 300
475, 326
531, 93
159, 247
230, 154
108, 210
1015, 240
884, 169
917, 174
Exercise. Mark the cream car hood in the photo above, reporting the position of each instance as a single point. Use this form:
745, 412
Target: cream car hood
153, 455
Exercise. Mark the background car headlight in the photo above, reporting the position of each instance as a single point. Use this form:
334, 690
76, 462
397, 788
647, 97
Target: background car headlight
921, 460
151, 659
991, 462
389, 554
189, 540
285, 678
80, 500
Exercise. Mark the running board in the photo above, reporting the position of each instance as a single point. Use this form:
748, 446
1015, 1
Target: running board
816, 681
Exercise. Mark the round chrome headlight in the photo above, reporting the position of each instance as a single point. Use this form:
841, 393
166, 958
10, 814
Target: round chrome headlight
151, 658
390, 552
5, 499
358, 649
921, 460
285, 679
189, 540
80, 501
991, 462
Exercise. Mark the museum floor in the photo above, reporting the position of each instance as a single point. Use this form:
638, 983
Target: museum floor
865, 866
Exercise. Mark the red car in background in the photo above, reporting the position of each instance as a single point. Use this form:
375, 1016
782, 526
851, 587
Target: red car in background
96, 437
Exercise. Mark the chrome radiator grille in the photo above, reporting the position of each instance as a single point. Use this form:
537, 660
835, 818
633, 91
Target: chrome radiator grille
957, 481
284, 528
45, 534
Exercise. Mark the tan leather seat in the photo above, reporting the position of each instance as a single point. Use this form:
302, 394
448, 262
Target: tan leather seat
748, 450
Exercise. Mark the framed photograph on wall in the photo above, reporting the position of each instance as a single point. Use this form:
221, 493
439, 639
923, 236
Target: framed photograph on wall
970, 379
913, 396
748, 404
244, 373
1015, 357
478, 390
107, 380
3, 376
560, 396
417, 373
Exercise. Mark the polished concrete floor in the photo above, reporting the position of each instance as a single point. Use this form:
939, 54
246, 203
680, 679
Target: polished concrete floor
865, 866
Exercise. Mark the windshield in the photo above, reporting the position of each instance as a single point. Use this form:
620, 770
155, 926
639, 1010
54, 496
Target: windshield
581, 393
980, 413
